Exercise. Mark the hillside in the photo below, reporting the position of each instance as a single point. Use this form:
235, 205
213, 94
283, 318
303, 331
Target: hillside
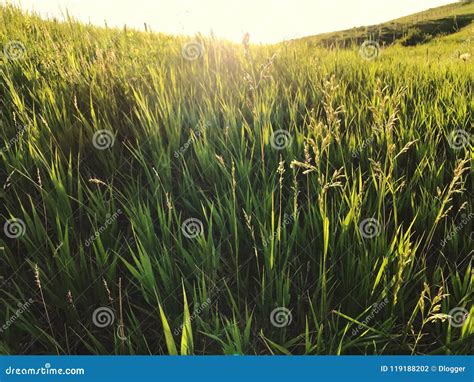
409, 30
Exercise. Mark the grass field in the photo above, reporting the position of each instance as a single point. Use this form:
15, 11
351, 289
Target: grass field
188, 195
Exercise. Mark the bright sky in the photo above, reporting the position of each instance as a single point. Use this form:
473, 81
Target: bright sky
267, 21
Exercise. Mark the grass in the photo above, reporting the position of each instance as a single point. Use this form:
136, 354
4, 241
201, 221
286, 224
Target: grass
330, 205
409, 30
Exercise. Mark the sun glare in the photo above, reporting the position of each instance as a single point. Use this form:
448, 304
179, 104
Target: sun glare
267, 21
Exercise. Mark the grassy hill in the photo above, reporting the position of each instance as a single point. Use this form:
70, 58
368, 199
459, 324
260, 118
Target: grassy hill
187, 195
409, 30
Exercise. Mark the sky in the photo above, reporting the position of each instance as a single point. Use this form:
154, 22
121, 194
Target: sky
266, 21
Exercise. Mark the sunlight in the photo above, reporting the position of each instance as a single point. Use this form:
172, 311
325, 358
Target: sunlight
267, 21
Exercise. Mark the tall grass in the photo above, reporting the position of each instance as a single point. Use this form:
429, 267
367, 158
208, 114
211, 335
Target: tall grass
279, 154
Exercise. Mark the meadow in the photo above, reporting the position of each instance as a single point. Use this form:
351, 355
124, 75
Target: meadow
188, 195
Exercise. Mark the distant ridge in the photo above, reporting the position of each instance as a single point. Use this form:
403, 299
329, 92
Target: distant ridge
409, 30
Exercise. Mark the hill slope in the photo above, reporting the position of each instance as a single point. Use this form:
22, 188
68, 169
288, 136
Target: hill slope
409, 30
